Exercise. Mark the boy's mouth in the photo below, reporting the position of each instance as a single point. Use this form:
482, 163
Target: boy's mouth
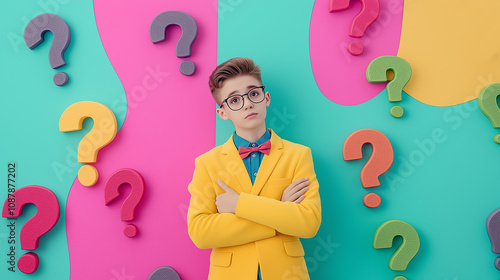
251, 115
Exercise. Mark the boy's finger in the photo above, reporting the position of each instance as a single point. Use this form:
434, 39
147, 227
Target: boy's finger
300, 186
299, 200
299, 193
225, 187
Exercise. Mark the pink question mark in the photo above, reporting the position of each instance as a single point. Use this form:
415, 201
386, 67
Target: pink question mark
369, 13
112, 191
44, 220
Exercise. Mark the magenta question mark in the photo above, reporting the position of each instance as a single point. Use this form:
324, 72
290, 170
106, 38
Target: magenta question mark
44, 220
34, 36
158, 28
369, 13
112, 191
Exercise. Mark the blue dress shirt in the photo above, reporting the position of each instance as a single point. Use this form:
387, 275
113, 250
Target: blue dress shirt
252, 162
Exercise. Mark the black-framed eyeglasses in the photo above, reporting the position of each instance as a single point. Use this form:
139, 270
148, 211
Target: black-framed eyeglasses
237, 101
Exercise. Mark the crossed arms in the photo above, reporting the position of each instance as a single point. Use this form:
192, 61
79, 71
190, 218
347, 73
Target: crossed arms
218, 221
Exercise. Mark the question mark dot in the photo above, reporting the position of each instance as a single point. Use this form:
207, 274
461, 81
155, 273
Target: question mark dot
28, 263
88, 175
187, 67
61, 78
399, 277
397, 111
371, 200
130, 230
355, 48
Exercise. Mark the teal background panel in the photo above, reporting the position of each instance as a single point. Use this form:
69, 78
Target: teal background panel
31, 107
443, 180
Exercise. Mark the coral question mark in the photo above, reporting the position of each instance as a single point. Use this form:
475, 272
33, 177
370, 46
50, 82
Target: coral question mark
158, 28
370, 10
102, 133
493, 228
379, 162
487, 101
112, 191
34, 36
384, 236
42, 222
376, 72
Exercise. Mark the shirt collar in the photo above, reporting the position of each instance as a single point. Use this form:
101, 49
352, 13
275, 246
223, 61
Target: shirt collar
240, 142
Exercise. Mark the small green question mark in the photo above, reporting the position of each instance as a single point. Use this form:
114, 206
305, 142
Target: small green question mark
384, 235
376, 72
487, 101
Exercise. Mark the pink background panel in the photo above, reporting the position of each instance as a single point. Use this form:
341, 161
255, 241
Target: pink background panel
170, 121
341, 76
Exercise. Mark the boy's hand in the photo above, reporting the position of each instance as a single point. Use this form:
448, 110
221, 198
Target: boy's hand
226, 202
295, 192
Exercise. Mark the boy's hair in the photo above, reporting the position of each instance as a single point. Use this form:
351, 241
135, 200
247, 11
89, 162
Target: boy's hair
230, 69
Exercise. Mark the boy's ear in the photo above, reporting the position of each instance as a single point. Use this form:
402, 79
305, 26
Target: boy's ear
268, 98
222, 114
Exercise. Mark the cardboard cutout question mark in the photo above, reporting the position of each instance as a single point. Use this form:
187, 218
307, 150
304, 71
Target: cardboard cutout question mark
158, 28
376, 72
384, 236
487, 101
42, 222
370, 10
102, 133
379, 162
112, 191
34, 36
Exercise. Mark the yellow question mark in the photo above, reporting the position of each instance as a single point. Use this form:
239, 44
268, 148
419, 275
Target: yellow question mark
102, 133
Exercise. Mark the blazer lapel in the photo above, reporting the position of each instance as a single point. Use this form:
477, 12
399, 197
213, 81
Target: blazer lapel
235, 166
268, 163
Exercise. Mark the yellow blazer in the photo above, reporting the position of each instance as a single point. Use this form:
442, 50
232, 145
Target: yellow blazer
263, 230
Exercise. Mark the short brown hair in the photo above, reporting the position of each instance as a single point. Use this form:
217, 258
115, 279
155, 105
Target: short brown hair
230, 69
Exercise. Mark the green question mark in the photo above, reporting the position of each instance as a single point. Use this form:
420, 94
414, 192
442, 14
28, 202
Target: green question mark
376, 72
487, 101
384, 235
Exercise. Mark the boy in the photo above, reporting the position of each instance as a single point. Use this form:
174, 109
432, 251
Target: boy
253, 197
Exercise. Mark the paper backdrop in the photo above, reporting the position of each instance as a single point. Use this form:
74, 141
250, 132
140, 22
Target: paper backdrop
443, 180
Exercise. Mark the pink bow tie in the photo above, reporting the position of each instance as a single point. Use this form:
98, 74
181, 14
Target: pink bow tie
264, 148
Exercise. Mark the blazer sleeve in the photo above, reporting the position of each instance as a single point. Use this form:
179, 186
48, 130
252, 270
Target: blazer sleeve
209, 229
297, 219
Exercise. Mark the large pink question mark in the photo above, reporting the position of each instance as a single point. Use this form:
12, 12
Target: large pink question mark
112, 191
44, 220
369, 13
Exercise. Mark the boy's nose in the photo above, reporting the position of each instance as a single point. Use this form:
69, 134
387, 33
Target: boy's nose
247, 104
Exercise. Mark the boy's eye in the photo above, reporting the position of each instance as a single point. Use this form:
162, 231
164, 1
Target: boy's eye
254, 93
234, 100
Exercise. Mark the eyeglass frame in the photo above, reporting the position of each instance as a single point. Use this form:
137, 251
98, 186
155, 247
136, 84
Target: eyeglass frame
243, 98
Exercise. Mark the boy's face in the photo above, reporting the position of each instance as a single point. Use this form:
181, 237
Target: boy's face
252, 115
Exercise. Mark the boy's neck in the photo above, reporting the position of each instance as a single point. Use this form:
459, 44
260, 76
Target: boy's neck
252, 135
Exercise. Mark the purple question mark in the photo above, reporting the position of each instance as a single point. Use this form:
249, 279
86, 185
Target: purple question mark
34, 36
158, 28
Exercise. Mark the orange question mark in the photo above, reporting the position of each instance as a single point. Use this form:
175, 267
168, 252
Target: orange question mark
379, 162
